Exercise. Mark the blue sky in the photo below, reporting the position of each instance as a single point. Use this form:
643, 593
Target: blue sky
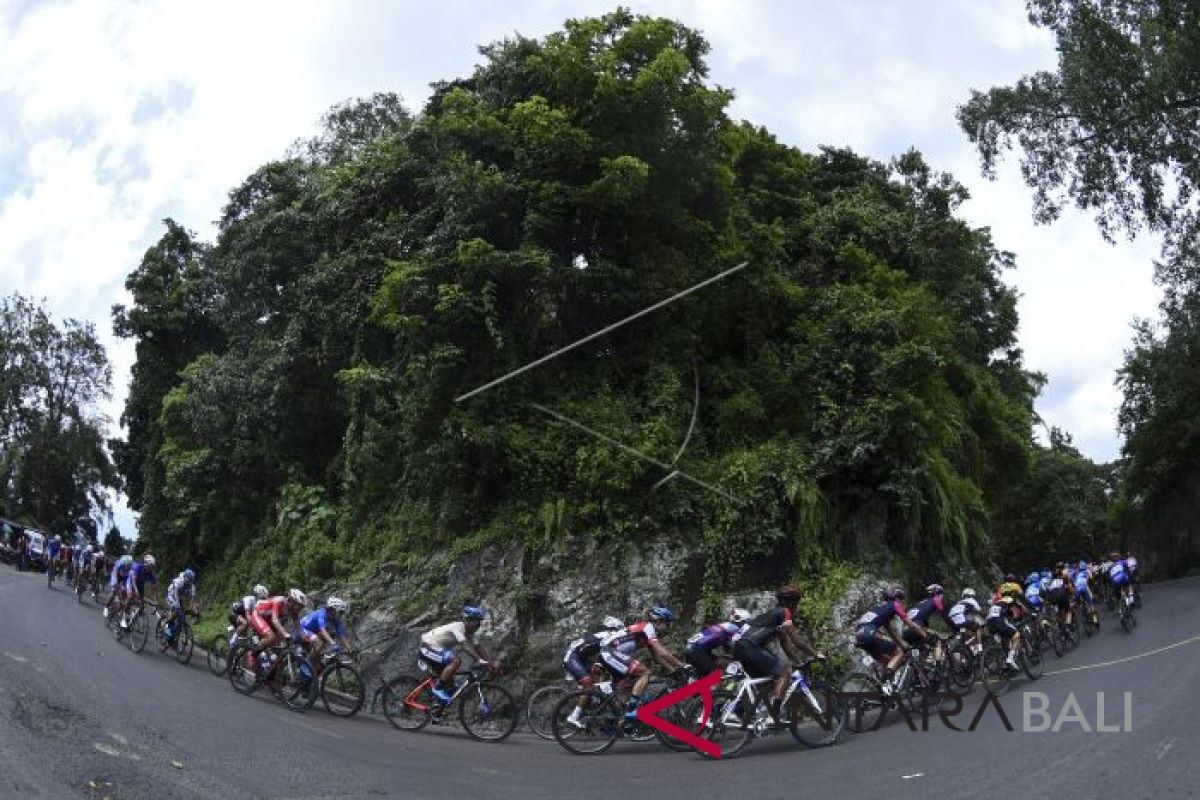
114, 115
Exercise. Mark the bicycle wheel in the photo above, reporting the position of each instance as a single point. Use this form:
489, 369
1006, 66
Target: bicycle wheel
866, 702
1056, 640
960, 669
1126, 616
342, 690
816, 715
243, 676
218, 654
1031, 660
733, 724
404, 706
488, 712
184, 644
292, 682
593, 729
688, 715
139, 631
539, 709
995, 676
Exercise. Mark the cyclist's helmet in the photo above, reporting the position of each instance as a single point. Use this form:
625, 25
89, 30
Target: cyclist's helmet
189, 575
337, 605
261, 592
298, 597
934, 589
1010, 578
662, 614
57, 538
968, 592
612, 623
125, 560
787, 594
740, 616
894, 594
148, 560
1033, 578
473, 612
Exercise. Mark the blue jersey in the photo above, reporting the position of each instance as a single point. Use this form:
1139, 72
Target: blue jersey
1033, 594
320, 620
714, 636
140, 574
1081, 582
1118, 573
52, 548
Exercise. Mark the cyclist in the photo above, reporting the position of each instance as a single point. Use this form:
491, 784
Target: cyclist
966, 615
700, 646
82, 565
878, 620
1059, 592
999, 620
267, 620
581, 657
116, 581
776, 625
1083, 593
617, 654
438, 650
1033, 591
1010, 586
52, 548
182, 586
1118, 576
582, 652
933, 604
1131, 564
315, 630
141, 573
239, 612
99, 562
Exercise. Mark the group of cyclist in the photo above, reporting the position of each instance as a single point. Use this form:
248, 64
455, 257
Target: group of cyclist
1067, 589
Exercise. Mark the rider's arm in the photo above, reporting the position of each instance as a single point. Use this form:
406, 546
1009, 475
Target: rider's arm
662, 655
793, 643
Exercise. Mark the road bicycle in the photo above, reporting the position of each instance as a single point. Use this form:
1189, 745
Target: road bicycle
998, 673
486, 709
180, 641
810, 709
1128, 612
339, 685
280, 667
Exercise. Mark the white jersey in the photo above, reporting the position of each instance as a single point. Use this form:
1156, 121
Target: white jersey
960, 610
177, 587
249, 602
446, 637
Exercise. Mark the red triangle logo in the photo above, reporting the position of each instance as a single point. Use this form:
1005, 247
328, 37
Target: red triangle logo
648, 714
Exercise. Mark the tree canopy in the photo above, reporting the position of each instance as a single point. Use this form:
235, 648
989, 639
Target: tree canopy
294, 411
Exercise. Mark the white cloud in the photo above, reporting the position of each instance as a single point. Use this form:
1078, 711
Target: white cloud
116, 114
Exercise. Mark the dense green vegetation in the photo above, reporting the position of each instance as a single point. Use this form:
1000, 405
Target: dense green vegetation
1116, 130
292, 416
55, 471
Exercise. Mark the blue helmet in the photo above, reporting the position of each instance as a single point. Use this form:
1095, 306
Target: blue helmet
473, 612
1083, 565
662, 613
1033, 578
1046, 574
189, 575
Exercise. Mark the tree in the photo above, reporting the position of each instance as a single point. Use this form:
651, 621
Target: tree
1113, 130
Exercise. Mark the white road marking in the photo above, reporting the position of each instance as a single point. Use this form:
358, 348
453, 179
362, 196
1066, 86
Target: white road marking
107, 749
17, 658
1162, 751
1115, 661
913, 775
119, 738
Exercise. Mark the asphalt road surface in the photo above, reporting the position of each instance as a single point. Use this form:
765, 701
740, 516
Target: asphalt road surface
83, 716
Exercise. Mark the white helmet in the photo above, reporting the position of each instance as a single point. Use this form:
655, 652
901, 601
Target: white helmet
261, 592
298, 597
336, 604
739, 616
612, 623
968, 592
148, 560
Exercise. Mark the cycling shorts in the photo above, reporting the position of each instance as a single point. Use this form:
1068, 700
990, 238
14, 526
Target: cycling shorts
701, 659
867, 640
758, 662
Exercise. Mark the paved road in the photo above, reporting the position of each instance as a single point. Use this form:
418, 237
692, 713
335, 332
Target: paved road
82, 716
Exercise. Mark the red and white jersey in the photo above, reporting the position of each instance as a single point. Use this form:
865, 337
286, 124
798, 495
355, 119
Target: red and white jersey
633, 638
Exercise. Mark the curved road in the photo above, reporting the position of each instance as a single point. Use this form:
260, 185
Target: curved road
82, 716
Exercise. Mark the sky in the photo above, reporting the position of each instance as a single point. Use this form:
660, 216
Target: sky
115, 115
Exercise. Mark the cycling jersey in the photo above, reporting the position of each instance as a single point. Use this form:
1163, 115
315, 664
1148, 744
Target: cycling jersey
1081, 584
1118, 573
1056, 582
998, 619
582, 651
320, 620
922, 611
764, 629
52, 548
959, 611
1033, 595
118, 576
700, 646
617, 654
98, 561
266, 610
139, 576
174, 588
1131, 564
881, 615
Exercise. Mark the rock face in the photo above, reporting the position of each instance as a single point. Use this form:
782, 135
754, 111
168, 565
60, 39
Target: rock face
538, 600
